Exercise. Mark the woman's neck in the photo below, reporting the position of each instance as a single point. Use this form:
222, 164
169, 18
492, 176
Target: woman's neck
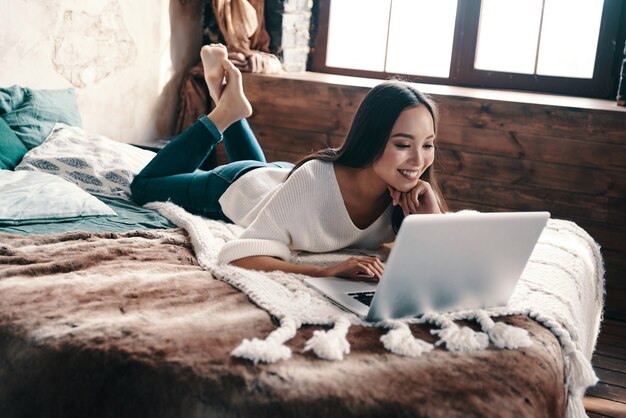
365, 184
365, 196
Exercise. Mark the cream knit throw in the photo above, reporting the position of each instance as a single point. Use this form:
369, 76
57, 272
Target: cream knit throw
562, 288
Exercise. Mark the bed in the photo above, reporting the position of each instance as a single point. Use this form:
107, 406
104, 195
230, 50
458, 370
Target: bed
126, 314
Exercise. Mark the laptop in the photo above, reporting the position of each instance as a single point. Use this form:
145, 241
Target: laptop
443, 263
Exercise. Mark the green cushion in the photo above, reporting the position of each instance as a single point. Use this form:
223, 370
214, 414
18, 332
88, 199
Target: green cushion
11, 148
31, 113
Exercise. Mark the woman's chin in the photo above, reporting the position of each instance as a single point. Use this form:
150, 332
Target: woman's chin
401, 188
405, 186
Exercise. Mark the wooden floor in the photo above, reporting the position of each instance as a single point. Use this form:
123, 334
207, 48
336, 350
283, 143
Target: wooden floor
608, 397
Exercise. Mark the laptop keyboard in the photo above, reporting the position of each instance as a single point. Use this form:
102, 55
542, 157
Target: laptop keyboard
363, 297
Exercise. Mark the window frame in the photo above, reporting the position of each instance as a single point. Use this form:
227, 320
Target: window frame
603, 84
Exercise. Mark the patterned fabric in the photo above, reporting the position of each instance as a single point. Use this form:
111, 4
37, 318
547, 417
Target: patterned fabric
74, 162
96, 164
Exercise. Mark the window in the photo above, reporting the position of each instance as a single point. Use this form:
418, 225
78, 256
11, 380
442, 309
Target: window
569, 47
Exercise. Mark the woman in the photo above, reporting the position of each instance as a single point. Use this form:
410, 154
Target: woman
353, 196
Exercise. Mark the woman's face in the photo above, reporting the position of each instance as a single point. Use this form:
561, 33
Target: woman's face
409, 151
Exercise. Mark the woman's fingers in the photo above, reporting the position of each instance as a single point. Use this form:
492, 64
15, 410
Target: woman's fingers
366, 270
404, 204
360, 266
371, 266
395, 195
378, 267
412, 201
417, 200
420, 199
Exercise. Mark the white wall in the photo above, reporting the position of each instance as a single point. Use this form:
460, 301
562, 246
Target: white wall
118, 54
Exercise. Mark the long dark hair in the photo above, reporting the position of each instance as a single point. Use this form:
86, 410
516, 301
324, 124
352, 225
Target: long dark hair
370, 131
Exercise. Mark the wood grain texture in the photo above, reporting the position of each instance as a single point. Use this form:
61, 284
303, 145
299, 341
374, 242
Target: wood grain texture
608, 397
604, 407
493, 155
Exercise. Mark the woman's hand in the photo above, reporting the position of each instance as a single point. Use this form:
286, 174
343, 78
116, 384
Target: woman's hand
420, 199
356, 268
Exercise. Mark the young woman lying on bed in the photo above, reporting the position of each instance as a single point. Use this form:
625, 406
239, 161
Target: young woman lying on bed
352, 196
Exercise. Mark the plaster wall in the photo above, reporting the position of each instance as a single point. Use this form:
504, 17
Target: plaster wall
125, 58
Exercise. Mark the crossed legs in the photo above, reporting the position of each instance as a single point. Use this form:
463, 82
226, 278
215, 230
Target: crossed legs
173, 173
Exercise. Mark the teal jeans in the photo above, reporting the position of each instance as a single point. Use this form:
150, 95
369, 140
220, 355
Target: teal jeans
173, 174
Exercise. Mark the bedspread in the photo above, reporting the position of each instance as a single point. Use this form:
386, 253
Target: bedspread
127, 324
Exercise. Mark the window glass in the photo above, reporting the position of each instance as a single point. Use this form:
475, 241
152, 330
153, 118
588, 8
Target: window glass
551, 46
357, 34
421, 34
508, 35
569, 37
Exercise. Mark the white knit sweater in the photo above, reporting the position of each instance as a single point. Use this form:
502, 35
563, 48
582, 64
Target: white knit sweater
305, 212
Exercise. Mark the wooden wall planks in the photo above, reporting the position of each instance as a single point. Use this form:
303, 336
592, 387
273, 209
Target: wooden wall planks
492, 155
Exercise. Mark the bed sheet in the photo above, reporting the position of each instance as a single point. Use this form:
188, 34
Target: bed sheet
129, 216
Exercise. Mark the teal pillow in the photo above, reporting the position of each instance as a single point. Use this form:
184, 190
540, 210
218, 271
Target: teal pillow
31, 113
11, 148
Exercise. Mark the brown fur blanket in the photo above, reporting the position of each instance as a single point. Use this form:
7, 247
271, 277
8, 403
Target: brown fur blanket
128, 325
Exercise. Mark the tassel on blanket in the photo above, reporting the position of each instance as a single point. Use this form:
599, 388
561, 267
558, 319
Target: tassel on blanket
454, 337
575, 408
461, 338
332, 344
503, 335
272, 348
580, 374
399, 340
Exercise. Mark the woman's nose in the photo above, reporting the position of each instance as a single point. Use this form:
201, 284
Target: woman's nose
416, 156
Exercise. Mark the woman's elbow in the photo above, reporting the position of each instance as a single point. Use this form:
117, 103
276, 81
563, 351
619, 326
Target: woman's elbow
254, 262
241, 262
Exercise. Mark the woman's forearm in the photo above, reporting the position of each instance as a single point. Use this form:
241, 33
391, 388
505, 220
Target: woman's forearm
266, 263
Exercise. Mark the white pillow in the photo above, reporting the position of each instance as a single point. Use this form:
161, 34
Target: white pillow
95, 163
30, 196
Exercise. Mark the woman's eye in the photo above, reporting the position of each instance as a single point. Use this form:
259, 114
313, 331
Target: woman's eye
429, 146
402, 146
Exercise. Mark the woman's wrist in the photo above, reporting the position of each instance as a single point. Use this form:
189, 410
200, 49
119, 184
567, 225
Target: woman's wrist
309, 270
266, 263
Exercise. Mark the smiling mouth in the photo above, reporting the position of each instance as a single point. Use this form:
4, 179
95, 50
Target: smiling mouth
410, 174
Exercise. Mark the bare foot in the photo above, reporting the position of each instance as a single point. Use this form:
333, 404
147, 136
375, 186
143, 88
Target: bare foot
233, 104
213, 57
